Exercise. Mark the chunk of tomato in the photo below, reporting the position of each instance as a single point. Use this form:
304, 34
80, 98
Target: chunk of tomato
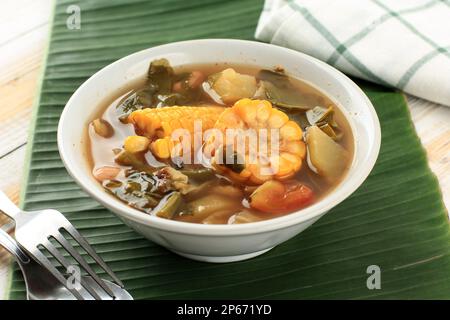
275, 197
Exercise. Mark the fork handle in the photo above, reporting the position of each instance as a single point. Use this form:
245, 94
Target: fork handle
10, 244
7, 206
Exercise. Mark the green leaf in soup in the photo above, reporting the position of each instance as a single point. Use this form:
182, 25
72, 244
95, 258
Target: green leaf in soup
175, 99
160, 76
198, 173
300, 118
279, 78
170, 205
135, 160
284, 98
147, 192
157, 91
328, 130
281, 91
320, 114
137, 190
324, 119
139, 99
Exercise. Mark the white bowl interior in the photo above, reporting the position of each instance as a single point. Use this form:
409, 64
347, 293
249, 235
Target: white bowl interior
352, 101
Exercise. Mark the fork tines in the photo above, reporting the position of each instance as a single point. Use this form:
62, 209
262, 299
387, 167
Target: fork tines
58, 235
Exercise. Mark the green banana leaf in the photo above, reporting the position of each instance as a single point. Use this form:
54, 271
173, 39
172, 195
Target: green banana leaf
396, 220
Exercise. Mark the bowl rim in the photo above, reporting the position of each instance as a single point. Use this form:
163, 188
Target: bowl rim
309, 213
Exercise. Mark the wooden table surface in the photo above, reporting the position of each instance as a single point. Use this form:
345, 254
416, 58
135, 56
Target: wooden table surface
24, 27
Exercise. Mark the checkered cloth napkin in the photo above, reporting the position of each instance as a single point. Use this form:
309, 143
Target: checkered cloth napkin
398, 43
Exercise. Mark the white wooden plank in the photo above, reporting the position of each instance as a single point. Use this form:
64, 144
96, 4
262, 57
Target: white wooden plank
432, 123
16, 99
11, 171
14, 132
4, 268
11, 167
18, 17
23, 35
22, 55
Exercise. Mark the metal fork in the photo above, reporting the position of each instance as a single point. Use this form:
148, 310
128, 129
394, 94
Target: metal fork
34, 229
42, 285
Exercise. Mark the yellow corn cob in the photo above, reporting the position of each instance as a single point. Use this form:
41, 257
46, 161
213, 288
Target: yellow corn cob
257, 114
158, 124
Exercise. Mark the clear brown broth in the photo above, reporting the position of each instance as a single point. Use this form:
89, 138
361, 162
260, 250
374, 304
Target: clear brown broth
100, 150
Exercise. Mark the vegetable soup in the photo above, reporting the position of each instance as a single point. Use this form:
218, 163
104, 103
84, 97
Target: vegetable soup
219, 144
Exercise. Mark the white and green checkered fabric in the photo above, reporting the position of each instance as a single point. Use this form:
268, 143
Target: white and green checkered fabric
398, 43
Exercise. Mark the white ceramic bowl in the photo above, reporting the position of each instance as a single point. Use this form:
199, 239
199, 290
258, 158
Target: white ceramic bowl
220, 243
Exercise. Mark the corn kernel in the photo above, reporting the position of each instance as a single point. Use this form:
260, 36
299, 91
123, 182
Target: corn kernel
134, 144
161, 148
